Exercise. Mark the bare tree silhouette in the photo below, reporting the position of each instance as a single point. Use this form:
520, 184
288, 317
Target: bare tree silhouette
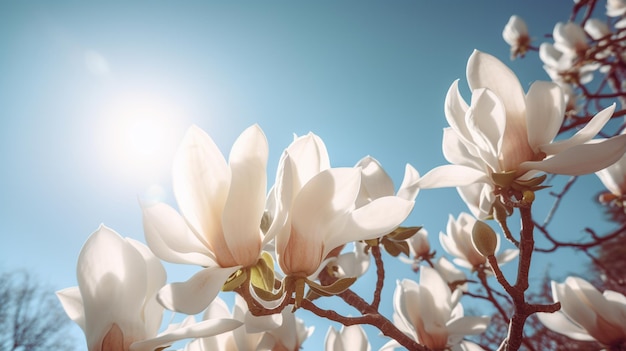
31, 317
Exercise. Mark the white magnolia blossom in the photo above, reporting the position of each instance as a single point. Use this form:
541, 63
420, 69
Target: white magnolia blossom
506, 130
317, 213
515, 33
276, 332
458, 243
351, 264
431, 314
451, 274
115, 300
221, 207
596, 28
351, 338
570, 39
586, 314
418, 244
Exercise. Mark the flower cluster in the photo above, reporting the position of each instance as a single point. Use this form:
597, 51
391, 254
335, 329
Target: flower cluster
313, 232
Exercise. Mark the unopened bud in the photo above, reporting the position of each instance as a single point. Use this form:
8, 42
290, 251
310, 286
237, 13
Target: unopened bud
485, 240
528, 196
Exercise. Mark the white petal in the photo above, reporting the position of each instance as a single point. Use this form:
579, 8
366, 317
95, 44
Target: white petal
169, 237
545, 106
333, 341
375, 182
408, 189
198, 330
373, 220
486, 71
241, 219
581, 159
310, 157
582, 136
470, 325
486, 121
194, 295
451, 176
201, 180
73, 305
559, 323
455, 109
459, 153
507, 255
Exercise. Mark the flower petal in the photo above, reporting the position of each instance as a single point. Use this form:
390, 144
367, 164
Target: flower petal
243, 210
582, 136
373, 220
486, 71
201, 180
73, 305
559, 323
545, 107
409, 189
194, 295
451, 176
581, 159
375, 182
169, 237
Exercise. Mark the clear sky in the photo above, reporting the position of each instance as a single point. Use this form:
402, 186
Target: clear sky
94, 99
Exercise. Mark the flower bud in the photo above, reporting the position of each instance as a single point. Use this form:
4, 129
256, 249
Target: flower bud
484, 238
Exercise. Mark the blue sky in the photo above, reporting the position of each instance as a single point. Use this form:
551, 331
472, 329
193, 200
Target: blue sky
77, 80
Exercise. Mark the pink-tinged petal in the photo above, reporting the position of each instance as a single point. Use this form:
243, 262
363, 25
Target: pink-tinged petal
197, 330
582, 136
375, 182
354, 338
594, 298
72, 303
577, 308
451, 176
194, 295
112, 280
201, 179
455, 109
408, 189
373, 220
545, 107
486, 71
559, 323
468, 325
169, 237
581, 159
241, 219
486, 121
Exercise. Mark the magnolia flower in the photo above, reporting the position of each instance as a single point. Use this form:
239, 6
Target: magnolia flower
504, 130
455, 277
431, 314
596, 28
317, 212
350, 338
570, 39
419, 245
115, 300
515, 34
351, 264
458, 243
221, 207
586, 314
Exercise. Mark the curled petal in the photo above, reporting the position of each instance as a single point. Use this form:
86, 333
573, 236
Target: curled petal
558, 322
73, 305
408, 189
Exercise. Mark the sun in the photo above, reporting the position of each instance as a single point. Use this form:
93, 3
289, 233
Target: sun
141, 133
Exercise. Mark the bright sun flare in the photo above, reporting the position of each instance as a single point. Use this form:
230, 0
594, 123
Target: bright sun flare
142, 134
